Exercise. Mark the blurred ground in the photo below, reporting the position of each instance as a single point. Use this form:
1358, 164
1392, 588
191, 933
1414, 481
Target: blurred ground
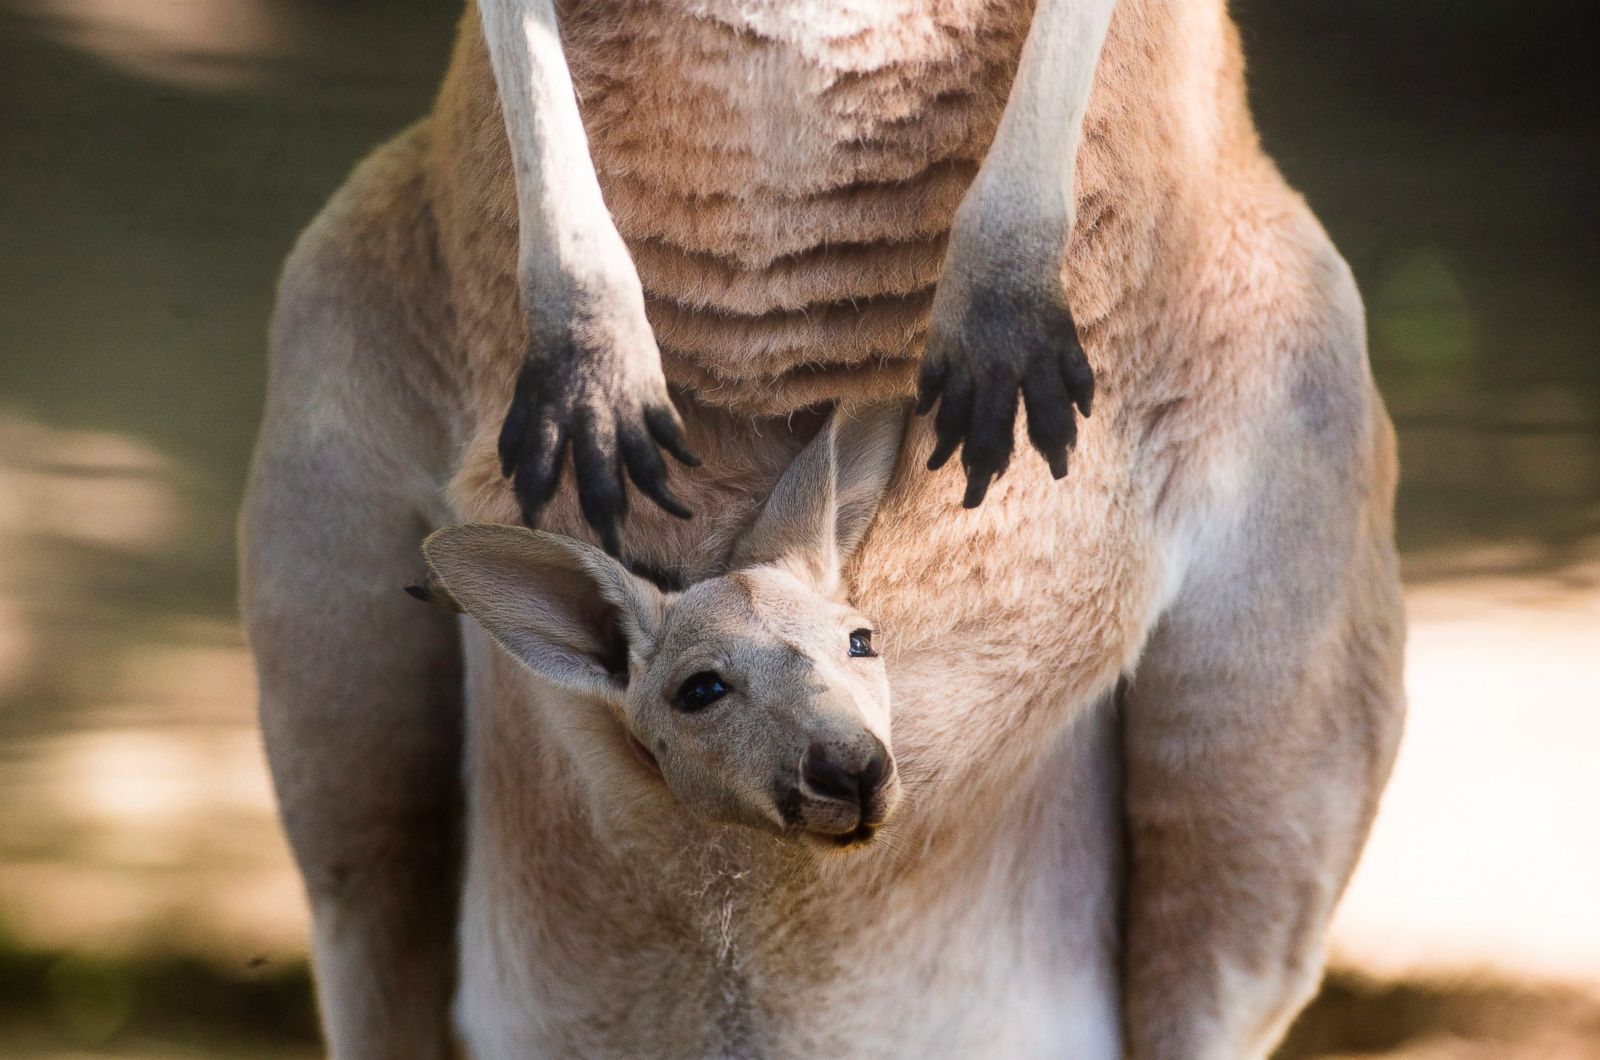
160, 156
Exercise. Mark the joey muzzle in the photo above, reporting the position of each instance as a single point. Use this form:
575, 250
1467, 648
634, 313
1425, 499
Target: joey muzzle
845, 791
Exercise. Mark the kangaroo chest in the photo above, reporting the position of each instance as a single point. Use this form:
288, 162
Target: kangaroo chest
785, 174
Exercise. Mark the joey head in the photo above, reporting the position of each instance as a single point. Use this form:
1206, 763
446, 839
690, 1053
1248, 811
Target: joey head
757, 696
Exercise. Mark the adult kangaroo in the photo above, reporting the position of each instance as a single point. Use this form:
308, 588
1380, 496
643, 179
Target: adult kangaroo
1141, 715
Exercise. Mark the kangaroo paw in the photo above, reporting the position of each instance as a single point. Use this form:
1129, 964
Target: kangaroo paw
997, 343
614, 427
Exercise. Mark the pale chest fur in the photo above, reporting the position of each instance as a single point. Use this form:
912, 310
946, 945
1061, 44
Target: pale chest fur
785, 173
769, 101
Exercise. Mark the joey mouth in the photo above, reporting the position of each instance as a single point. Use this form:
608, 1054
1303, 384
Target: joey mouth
862, 835
825, 810
849, 836
829, 843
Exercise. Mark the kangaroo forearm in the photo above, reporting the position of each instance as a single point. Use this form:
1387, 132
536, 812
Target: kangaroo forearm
592, 382
1026, 180
565, 229
1000, 324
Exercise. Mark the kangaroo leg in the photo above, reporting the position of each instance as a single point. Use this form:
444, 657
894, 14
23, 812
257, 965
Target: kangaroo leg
359, 683
592, 380
1260, 727
1000, 320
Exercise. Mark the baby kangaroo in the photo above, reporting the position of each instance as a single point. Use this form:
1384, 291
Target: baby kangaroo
757, 695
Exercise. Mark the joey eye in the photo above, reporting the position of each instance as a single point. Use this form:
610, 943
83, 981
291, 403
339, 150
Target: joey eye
861, 644
699, 691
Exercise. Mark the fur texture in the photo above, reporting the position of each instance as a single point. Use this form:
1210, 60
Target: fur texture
785, 177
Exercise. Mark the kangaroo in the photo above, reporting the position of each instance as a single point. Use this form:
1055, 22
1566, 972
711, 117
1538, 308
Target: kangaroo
755, 696
1142, 709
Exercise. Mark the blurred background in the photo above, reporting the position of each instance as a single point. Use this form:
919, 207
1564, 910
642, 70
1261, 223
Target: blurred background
157, 157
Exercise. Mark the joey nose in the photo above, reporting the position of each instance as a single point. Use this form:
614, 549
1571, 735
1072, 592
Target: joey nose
847, 777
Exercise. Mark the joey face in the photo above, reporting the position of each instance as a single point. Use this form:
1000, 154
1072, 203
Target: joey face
757, 697
765, 703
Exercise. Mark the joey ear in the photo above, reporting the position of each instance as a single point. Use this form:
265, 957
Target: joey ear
565, 609
818, 513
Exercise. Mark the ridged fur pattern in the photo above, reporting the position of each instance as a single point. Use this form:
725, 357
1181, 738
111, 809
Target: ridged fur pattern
832, 165
785, 191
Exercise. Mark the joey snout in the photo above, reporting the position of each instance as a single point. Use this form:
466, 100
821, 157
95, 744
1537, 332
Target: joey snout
844, 790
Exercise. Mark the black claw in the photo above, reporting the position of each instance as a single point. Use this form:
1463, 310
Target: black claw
977, 488
514, 430
601, 497
951, 423
1079, 375
930, 382
991, 439
649, 472
546, 418
668, 433
1051, 427
943, 450
975, 382
538, 470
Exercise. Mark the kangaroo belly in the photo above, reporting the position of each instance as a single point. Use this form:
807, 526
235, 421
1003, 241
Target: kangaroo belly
785, 175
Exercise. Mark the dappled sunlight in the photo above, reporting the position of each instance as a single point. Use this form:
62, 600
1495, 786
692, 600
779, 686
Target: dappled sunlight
16, 642
135, 810
193, 44
86, 487
154, 829
75, 506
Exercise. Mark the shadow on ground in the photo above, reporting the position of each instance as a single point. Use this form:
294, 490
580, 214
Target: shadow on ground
51, 1003
59, 1003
